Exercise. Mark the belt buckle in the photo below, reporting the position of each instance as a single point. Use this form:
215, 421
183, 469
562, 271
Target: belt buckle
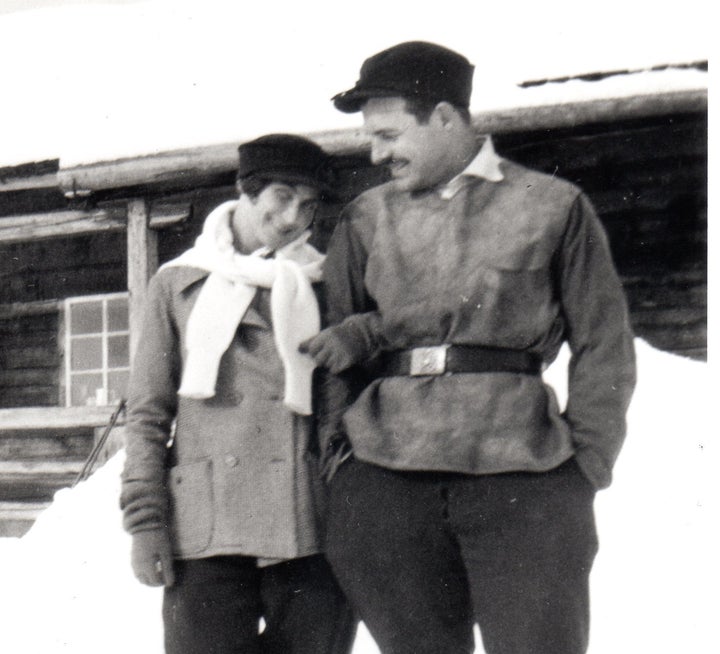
429, 360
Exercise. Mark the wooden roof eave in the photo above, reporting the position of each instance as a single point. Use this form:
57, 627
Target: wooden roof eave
195, 166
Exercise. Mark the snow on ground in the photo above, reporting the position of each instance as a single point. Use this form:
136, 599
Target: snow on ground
67, 585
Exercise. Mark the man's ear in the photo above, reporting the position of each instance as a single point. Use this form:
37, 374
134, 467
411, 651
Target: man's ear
445, 114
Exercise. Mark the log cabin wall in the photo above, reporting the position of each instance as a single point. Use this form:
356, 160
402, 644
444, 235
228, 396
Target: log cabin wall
646, 176
648, 181
30, 356
37, 275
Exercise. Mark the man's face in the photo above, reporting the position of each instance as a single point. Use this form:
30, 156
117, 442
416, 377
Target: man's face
415, 153
278, 215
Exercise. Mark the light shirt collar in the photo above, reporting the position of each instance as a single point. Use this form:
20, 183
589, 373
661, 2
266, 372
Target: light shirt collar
485, 165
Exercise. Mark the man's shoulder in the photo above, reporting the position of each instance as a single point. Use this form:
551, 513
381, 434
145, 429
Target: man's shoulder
369, 200
549, 184
360, 215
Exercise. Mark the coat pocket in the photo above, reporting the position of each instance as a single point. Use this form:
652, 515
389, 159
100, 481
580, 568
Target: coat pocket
191, 510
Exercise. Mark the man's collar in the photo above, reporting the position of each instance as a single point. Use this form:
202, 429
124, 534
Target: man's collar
485, 165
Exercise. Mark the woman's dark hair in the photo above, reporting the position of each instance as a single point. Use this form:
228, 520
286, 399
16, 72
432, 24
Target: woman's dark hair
253, 185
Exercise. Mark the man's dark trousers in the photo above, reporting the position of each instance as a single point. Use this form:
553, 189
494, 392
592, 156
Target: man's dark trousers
423, 556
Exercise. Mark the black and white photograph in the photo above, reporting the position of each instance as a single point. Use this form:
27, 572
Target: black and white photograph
357, 328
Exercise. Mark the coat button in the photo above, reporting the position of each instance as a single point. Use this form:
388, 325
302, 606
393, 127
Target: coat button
230, 460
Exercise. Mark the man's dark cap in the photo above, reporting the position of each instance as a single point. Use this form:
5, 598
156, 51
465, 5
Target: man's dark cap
287, 158
415, 69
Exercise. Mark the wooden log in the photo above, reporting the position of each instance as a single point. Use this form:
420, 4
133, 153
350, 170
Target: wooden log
36, 487
34, 182
29, 357
27, 468
56, 417
84, 280
589, 111
54, 445
60, 223
27, 377
623, 146
35, 175
60, 254
669, 317
15, 229
28, 338
33, 396
662, 297
22, 309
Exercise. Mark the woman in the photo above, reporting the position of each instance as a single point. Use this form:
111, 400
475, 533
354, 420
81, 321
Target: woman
220, 489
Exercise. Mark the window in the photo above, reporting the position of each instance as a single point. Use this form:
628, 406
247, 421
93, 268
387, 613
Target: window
97, 347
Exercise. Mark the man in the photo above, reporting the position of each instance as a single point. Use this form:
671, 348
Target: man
221, 490
468, 496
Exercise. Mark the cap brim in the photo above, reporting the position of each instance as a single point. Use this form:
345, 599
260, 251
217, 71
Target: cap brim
352, 101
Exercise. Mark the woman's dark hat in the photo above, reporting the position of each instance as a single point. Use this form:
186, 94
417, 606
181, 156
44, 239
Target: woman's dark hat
287, 158
415, 69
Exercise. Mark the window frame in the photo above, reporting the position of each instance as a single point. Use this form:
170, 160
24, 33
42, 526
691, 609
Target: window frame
68, 337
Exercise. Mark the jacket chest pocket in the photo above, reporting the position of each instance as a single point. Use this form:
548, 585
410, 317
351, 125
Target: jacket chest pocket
518, 301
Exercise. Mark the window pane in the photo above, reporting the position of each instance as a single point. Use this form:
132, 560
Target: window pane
118, 351
86, 353
117, 385
86, 318
117, 315
84, 389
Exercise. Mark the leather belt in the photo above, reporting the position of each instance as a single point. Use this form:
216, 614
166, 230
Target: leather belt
443, 359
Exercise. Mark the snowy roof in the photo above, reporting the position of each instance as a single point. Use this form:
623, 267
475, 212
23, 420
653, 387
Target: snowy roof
99, 80
537, 104
549, 104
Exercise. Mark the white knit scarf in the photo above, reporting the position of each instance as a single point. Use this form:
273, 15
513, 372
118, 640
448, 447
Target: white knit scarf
226, 295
